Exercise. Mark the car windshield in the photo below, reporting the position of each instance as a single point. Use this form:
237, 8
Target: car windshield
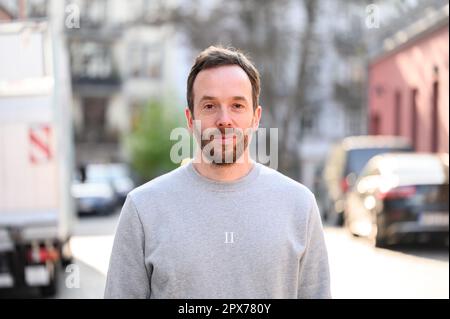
106, 173
118, 171
98, 173
434, 194
358, 158
90, 189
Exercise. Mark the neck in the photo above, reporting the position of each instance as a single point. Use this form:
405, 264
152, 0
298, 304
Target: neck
224, 173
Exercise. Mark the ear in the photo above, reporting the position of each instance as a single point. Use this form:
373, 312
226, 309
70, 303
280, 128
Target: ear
189, 118
257, 117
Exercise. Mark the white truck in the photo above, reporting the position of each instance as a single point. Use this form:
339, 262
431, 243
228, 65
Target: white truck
36, 156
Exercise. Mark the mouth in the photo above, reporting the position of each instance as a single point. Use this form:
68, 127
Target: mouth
226, 138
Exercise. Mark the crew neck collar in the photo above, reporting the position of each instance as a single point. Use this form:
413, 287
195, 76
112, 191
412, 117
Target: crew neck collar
218, 186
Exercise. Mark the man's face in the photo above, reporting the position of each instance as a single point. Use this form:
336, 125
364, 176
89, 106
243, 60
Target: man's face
223, 105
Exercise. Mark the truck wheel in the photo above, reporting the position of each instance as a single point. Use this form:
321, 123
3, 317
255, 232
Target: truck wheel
51, 288
66, 261
65, 252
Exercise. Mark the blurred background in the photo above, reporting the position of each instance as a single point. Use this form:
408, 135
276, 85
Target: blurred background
90, 91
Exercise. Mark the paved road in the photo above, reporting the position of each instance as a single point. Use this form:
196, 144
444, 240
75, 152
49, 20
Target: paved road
358, 270
91, 247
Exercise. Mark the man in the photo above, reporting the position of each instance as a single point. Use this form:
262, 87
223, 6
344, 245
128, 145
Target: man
222, 225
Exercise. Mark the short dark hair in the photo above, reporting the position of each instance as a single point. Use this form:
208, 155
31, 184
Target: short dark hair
216, 56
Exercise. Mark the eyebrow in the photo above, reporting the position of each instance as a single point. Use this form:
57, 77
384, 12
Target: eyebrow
239, 98
211, 98
207, 98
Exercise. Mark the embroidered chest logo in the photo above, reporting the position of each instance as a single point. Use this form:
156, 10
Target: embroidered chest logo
229, 238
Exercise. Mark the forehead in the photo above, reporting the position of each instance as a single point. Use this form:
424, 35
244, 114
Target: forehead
222, 82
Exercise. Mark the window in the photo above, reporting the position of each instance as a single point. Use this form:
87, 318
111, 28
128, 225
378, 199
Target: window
375, 124
434, 117
397, 113
146, 61
414, 124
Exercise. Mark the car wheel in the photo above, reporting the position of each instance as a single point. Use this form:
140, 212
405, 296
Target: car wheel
380, 238
380, 242
340, 220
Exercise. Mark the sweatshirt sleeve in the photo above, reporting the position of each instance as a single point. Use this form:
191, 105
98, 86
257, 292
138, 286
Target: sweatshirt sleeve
314, 274
127, 274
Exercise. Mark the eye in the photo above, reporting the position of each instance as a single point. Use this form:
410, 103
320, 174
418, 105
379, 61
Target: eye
208, 106
238, 106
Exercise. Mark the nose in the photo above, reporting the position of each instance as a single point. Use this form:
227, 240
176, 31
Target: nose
224, 119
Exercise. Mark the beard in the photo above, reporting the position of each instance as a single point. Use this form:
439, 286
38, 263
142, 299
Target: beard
218, 152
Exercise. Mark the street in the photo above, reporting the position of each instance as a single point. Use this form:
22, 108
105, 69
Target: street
91, 247
358, 270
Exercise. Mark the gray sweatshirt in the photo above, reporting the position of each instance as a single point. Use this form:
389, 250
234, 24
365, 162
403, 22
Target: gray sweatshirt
183, 235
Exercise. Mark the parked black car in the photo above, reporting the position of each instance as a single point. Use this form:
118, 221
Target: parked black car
344, 164
401, 197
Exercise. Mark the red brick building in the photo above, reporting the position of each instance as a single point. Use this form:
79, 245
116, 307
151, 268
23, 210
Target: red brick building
408, 88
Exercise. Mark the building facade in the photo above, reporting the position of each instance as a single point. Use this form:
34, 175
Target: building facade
408, 84
119, 62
